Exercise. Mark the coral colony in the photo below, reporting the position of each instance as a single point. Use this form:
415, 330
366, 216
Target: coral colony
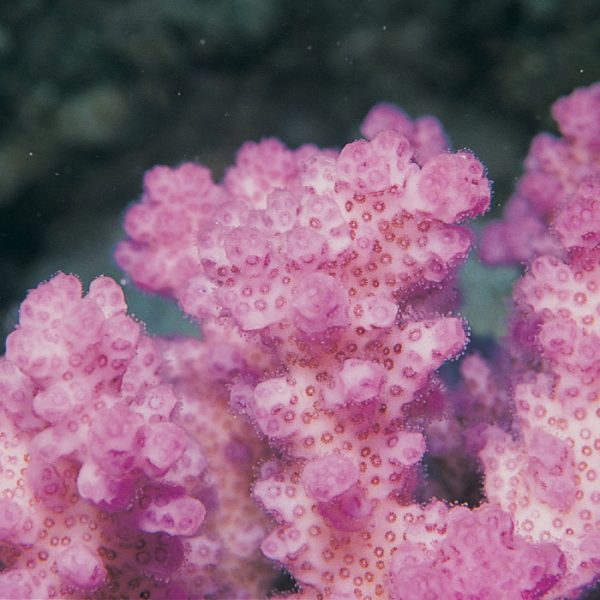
294, 434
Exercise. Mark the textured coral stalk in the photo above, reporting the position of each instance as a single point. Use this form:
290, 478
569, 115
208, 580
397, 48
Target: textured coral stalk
107, 487
544, 469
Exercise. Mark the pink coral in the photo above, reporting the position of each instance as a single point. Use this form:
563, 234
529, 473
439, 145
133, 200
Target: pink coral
543, 466
425, 134
475, 555
555, 168
294, 432
102, 479
546, 476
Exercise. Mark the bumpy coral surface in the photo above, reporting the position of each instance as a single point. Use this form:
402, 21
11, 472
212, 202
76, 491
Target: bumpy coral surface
89, 444
108, 487
545, 474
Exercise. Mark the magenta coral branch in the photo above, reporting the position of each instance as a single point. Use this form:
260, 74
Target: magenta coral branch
547, 475
326, 261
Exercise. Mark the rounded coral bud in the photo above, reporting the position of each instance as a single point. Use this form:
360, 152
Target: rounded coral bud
578, 115
551, 470
408, 447
108, 295
260, 168
305, 246
321, 303
450, 188
361, 379
247, 248
167, 510
378, 312
114, 439
111, 493
53, 404
274, 407
16, 393
376, 165
425, 133
155, 403
558, 337
17, 584
283, 207
349, 511
82, 566
328, 476
164, 444
46, 482
578, 223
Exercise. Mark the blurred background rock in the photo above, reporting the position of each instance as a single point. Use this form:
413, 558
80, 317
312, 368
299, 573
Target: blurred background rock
93, 92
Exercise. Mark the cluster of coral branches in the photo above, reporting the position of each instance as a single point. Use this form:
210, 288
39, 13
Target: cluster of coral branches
294, 433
